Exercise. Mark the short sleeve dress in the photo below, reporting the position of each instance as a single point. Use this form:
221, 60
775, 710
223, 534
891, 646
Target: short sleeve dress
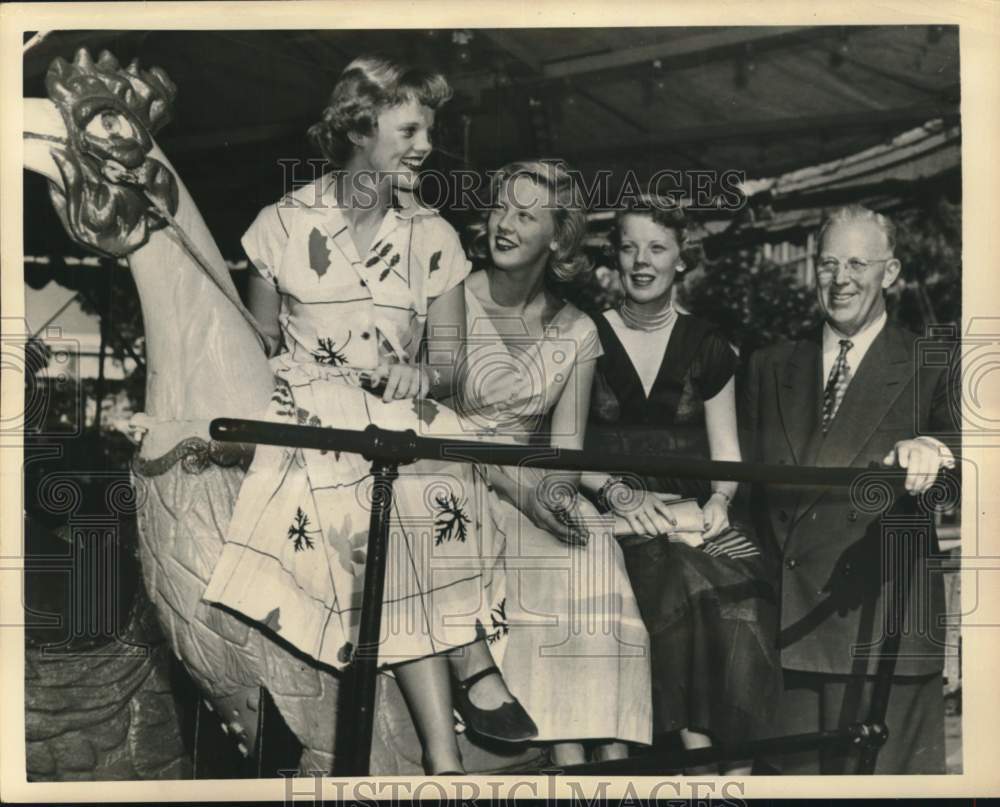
711, 619
564, 623
294, 558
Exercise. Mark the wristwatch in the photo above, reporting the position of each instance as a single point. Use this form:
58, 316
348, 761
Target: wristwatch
603, 499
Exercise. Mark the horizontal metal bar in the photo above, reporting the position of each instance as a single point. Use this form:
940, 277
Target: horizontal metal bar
859, 734
402, 446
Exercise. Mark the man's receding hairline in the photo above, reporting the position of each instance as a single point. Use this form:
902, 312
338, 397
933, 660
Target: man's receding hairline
854, 222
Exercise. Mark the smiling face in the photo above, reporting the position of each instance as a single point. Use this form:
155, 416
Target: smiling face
522, 226
399, 144
850, 298
648, 254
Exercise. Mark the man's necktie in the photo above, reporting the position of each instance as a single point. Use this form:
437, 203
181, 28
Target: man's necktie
836, 385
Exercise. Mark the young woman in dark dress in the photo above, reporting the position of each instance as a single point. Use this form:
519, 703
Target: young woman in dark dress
665, 386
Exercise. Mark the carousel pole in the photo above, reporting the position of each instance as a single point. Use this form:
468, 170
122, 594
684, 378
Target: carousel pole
360, 712
901, 585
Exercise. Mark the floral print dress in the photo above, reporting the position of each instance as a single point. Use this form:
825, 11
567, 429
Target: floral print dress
295, 553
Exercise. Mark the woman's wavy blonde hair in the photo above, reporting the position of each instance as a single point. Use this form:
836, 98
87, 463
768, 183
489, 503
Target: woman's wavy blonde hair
569, 209
369, 85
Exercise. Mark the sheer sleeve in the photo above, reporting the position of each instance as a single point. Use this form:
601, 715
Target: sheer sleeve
265, 241
588, 342
714, 365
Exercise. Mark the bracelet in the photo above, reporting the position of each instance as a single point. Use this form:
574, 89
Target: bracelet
602, 500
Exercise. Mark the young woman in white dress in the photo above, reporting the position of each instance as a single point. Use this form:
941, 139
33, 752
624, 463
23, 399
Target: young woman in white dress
575, 653
349, 271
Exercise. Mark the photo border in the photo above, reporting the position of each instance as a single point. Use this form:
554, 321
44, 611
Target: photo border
980, 70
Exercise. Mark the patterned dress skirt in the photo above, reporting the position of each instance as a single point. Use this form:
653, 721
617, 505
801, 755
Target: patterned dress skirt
295, 553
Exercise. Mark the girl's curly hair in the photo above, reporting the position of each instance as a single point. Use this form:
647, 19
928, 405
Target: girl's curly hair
369, 85
568, 262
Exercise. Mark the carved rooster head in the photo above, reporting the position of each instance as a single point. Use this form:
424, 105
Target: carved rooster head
111, 187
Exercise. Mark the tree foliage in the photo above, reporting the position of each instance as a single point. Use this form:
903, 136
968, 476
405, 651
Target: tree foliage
929, 245
756, 302
108, 292
753, 301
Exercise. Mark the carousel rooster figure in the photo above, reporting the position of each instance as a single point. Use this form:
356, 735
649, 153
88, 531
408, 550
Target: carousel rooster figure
117, 194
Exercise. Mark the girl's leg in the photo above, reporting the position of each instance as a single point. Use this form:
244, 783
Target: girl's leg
487, 693
612, 750
695, 739
568, 754
427, 689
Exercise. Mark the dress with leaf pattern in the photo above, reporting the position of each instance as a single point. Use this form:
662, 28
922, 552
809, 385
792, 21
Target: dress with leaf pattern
295, 553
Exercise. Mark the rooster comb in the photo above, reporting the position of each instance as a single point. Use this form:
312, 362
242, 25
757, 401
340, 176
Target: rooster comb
148, 94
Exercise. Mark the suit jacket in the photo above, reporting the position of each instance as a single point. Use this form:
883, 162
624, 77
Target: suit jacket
836, 553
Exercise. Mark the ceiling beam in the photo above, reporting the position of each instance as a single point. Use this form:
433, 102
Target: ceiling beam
705, 46
887, 186
775, 127
509, 43
885, 196
700, 45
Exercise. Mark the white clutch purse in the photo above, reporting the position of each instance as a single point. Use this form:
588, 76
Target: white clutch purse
690, 524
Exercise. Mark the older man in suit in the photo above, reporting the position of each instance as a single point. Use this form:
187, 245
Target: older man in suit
852, 396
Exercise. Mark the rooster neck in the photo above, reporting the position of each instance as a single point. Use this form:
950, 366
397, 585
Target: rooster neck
202, 358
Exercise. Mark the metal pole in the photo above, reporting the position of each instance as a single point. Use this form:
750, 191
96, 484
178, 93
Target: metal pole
899, 579
399, 446
854, 734
360, 712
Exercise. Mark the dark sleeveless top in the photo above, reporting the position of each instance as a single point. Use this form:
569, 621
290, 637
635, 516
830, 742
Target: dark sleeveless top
697, 364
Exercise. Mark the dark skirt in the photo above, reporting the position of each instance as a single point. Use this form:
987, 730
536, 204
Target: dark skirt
712, 628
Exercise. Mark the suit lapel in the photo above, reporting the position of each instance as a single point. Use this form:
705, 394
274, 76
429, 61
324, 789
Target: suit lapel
799, 386
875, 386
877, 383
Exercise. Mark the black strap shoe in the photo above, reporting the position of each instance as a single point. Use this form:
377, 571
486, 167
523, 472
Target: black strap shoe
508, 722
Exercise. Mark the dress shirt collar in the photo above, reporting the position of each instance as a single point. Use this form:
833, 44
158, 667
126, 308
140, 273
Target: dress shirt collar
861, 341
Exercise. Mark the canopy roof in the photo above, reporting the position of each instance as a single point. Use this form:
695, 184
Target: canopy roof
764, 101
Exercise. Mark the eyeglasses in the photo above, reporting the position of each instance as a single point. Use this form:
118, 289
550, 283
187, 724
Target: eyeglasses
827, 266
